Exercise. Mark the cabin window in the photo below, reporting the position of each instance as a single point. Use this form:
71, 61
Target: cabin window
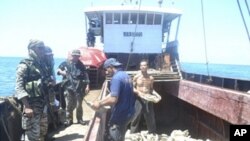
117, 18
109, 18
133, 18
150, 19
125, 18
157, 19
142, 18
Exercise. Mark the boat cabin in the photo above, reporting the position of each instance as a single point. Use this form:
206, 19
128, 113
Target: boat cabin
133, 32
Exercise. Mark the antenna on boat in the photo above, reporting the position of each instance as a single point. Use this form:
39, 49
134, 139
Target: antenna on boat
160, 2
130, 2
91, 3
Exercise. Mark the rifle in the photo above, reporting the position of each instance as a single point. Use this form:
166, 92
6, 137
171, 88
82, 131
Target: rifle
48, 90
73, 85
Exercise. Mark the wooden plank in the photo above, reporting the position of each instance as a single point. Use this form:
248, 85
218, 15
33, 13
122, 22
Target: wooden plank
230, 105
94, 131
158, 75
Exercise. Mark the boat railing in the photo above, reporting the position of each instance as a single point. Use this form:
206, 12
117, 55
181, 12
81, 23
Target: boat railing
223, 82
97, 125
158, 75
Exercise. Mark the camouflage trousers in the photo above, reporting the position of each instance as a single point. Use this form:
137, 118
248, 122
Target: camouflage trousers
36, 127
73, 101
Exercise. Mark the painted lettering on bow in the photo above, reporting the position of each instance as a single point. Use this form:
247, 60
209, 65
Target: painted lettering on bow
133, 34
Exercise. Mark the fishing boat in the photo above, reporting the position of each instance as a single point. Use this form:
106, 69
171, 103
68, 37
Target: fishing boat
205, 105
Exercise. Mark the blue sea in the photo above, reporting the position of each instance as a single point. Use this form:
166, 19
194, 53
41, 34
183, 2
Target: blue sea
8, 67
8, 72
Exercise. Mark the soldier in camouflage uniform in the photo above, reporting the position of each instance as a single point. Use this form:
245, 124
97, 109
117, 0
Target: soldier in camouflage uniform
49, 61
77, 85
53, 104
30, 77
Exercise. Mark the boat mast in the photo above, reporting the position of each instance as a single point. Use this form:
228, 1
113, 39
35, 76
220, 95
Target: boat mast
243, 18
205, 41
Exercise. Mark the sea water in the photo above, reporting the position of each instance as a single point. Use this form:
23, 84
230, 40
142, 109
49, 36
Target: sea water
241, 72
8, 67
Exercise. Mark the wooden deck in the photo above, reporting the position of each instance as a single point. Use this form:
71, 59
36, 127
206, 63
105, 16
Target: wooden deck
76, 132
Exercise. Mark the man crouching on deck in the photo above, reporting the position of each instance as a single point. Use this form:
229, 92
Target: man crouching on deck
121, 98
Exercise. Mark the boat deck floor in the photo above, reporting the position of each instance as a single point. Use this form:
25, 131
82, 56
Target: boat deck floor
76, 132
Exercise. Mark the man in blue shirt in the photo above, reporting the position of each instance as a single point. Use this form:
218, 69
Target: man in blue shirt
121, 98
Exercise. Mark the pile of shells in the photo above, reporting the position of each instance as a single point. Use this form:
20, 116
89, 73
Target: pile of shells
176, 135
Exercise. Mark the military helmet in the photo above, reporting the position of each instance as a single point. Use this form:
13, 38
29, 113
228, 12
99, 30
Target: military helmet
48, 51
76, 52
35, 44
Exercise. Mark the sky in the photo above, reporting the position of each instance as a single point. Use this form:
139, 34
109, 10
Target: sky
61, 25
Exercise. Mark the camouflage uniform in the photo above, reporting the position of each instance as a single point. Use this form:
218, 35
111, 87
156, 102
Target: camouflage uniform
29, 78
76, 81
49, 61
54, 104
